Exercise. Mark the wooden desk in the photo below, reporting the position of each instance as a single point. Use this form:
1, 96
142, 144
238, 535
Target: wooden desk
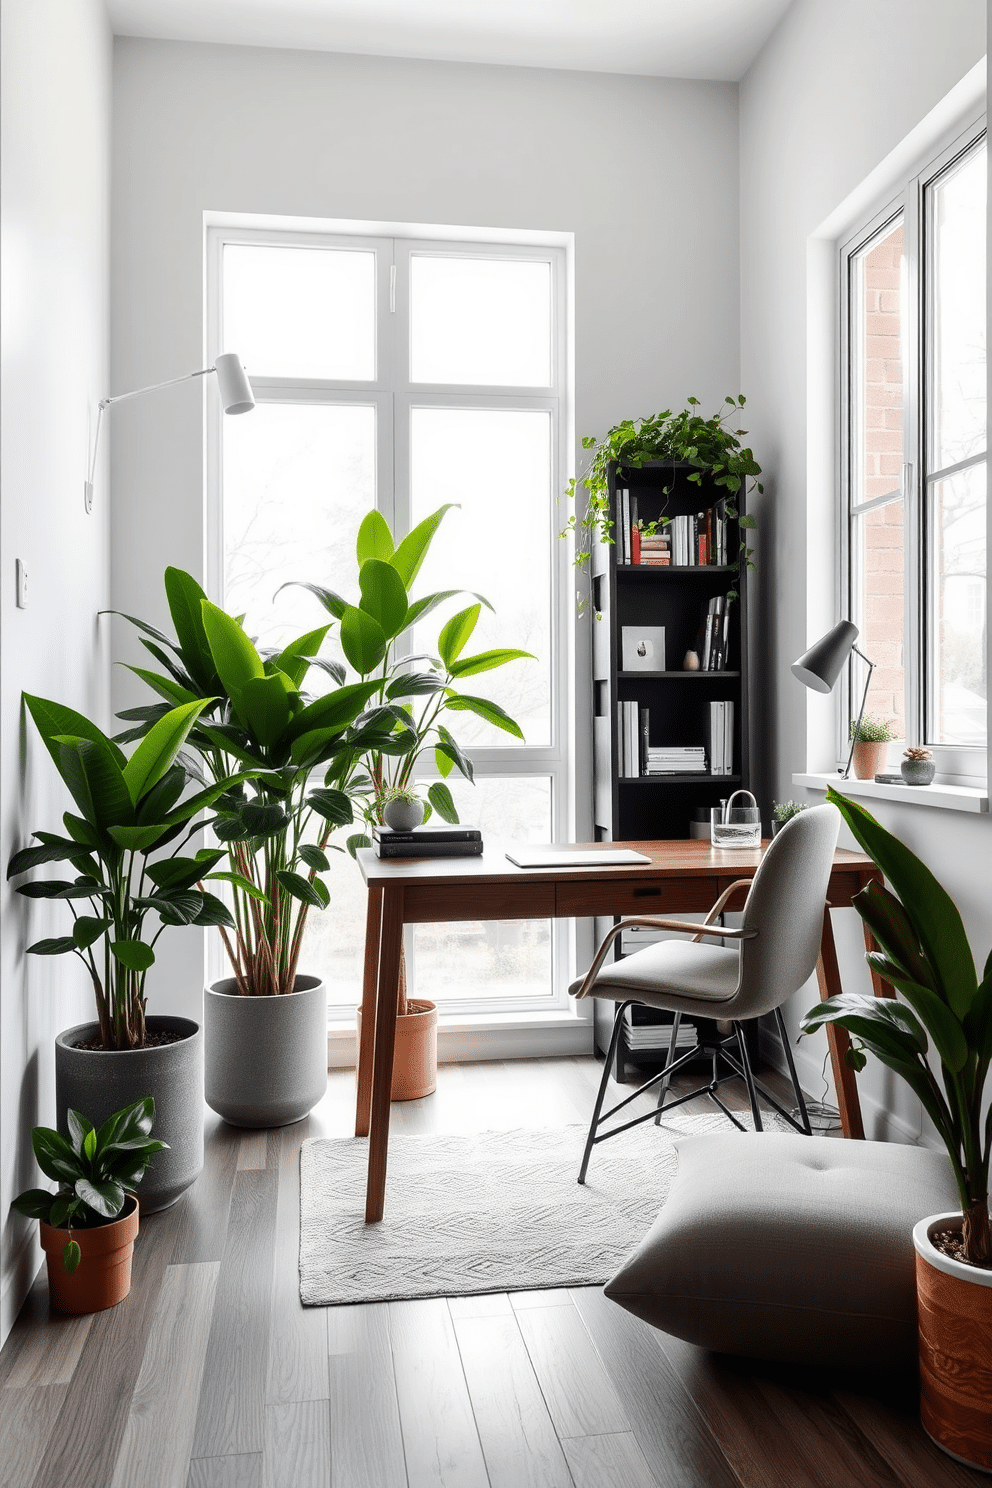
682, 877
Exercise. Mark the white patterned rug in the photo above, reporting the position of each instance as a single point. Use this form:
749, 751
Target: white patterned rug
493, 1211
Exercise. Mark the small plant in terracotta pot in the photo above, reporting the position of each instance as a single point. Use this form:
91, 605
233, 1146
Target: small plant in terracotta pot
88, 1226
917, 766
871, 738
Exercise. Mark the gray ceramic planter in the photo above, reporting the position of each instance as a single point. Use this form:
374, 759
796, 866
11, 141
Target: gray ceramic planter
917, 772
266, 1057
98, 1082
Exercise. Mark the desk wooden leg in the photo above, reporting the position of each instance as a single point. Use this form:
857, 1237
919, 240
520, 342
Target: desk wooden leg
845, 1083
370, 980
390, 947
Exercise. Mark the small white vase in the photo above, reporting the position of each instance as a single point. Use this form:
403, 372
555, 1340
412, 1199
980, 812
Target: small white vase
403, 816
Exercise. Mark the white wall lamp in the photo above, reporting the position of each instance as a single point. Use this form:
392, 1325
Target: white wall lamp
235, 395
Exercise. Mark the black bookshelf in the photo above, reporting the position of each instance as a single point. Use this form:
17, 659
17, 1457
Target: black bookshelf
644, 807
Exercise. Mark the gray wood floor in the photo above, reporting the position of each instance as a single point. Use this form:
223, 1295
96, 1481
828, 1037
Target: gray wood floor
211, 1374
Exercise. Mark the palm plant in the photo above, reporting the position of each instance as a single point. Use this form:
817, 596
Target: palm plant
129, 810
925, 954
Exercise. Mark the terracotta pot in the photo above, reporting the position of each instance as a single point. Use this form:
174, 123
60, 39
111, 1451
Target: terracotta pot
955, 1305
103, 1276
869, 758
415, 1052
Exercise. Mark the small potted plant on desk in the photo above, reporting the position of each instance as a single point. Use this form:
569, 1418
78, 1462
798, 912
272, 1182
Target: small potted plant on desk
871, 738
417, 694
925, 954
88, 1227
130, 810
784, 811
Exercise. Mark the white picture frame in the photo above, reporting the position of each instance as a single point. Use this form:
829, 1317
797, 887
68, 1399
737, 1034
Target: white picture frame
642, 648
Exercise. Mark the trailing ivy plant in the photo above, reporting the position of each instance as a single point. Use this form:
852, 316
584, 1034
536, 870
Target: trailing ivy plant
714, 452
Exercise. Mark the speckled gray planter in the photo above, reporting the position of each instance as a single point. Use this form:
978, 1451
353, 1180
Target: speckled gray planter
266, 1057
99, 1082
918, 772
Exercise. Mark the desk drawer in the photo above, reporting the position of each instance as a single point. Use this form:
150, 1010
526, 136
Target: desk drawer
635, 897
424, 904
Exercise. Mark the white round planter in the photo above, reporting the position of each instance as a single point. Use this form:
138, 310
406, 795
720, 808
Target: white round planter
99, 1082
403, 816
266, 1057
955, 1306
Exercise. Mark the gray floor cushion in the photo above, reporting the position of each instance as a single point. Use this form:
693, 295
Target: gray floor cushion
788, 1247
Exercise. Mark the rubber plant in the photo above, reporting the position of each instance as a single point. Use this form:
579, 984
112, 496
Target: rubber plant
925, 955
714, 453
273, 821
95, 1170
129, 811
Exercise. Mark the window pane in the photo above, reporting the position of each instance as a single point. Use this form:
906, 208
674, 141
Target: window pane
877, 367
478, 320
497, 466
877, 611
491, 959
959, 634
297, 481
957, 336
301, 312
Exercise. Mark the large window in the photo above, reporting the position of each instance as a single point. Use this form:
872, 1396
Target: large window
914, 457
404, 374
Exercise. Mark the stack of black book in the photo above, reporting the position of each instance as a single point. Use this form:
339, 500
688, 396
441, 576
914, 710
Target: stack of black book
428, 842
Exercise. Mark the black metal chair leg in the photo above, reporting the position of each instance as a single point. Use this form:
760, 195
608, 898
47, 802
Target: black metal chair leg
604, 1082
748, 1076
800, 1102
663, 1088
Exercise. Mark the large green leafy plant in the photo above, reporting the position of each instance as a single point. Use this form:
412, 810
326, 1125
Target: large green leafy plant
256, 718
418, 694
924, 954
713, 452
95, 1170
129, 811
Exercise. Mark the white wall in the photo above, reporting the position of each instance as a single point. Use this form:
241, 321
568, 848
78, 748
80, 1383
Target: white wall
835, 90
55, 252
642, 171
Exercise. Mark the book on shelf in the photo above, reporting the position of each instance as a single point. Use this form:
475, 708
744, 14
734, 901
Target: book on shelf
675, 760
721, 726
714, 632
692, 540
628, 740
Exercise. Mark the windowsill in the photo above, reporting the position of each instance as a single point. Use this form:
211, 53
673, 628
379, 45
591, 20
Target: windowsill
941, 797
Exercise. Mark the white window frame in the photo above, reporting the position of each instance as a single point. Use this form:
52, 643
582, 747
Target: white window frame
395, 394
956, 764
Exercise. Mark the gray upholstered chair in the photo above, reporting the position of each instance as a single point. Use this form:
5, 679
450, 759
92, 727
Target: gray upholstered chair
770, 956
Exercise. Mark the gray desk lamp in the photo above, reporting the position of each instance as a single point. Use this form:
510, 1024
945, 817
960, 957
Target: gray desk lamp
820, 666
236, 396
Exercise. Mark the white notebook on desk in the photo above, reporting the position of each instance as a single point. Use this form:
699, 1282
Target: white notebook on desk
564, 857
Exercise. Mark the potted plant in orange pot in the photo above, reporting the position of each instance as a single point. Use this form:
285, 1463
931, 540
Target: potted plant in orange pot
89, 1225
871, 738
925, 954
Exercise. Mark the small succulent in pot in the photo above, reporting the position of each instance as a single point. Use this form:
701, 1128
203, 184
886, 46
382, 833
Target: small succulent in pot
95, 1169
784, 811
402, 808
917, 766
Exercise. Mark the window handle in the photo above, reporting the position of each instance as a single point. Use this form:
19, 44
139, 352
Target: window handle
907, 480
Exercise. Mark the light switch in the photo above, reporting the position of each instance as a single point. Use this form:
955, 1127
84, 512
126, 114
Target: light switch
21, 584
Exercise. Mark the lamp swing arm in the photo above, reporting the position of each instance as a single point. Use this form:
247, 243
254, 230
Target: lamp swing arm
856, 733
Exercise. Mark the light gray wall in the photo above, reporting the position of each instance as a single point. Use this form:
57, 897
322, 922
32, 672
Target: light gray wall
642, 171
836, 89
56, 77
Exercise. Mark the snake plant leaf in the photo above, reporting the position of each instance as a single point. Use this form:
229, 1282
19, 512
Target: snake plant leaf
296, 658
374, 539
938, 1020
233, 654
383, 596
491, 712
933, 912
485, 661
414, 547
157, 751
185, 599
54, 719
456, 633
363, 640
442, 801
166, 687
891, 926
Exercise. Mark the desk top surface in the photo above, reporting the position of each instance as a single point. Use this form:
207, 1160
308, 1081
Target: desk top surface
677, 858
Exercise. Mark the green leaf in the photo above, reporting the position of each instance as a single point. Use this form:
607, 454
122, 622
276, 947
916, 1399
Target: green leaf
54, 1156
240, 882
96, 782
363, 640
446, 745
166, 687
486, 661
235, 658
374, 538
357, 840
59, 888
491, 712
316, 745
79, 1129
157, 751
978, 1022
57, 946
444, 762
936, 1017
456, 633
159, 801
138, 839
58, 851
893, 929
207, 797
300, 888
89, 1144
185, 599
134, 954
335, 710
263, 706
214, 912
442, 801
173, 874
934, 914
314, 858
71, 1257
383, 596
87, 930
295, 658
414, 547
52, 720
35, 1203
414, 684
105, 1198
263, 818
331, 601
333, 805
421, 607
